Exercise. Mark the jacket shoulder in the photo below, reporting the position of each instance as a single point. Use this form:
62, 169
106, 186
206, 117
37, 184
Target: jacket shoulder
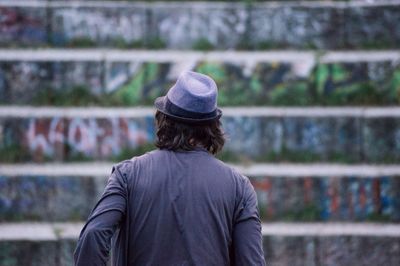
231, 168
129, 164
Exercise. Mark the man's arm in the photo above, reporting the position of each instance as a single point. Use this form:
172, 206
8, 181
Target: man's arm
247, 236
94, 242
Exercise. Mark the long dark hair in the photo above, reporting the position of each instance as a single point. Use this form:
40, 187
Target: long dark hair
174, 135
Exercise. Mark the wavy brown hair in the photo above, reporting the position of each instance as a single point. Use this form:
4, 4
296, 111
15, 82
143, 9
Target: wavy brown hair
174, 135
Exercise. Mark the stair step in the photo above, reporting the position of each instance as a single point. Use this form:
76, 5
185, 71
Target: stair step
285, 191
164, 56
55, 231
101, 168
22, 111
309, 134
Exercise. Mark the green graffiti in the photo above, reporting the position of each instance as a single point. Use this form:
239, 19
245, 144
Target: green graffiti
339, 73
321, 75
133, 92
268, 84
356, 94
255, 85
288, 94
130, 93
214, 70
217, 72
395, 86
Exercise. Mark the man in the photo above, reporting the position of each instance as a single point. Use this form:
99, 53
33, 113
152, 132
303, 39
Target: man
177, 205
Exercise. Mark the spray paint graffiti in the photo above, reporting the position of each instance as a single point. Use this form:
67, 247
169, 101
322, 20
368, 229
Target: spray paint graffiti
22, 26
138, 83
23, 80
328, 198
95, 138
263, 139
44, 198
30, 82
36, 135
373, 129
100, 25
279, 198
221, 27
224, 26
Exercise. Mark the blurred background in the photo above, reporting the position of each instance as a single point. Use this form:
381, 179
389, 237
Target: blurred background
310, 92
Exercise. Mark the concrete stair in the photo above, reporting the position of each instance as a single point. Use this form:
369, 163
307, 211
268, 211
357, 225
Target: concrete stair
315, 82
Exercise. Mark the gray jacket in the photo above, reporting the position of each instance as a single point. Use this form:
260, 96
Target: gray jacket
173, 208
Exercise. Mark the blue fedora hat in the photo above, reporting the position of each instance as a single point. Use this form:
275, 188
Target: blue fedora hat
192, 99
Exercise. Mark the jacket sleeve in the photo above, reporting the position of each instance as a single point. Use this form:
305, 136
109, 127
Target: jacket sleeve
94, 242
247, 236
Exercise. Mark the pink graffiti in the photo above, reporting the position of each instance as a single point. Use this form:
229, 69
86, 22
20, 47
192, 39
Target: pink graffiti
91, 137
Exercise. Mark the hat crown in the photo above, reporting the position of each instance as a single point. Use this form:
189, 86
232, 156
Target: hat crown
194, 92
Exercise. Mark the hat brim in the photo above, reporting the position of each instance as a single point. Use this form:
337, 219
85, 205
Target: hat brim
160, 104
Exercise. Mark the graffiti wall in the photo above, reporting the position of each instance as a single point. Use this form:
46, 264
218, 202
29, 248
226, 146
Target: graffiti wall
331, 250
248, 83
259, 139
42, 198
46, 253
328, 198
186, 25
331, 198
98, 26
324, 27
22, 26
41, 82
279, 250
74, 139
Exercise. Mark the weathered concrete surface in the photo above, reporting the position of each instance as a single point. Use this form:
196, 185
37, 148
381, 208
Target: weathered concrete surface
71, 230
323, 135
289, 251
184, 25
42, 198
262, 169
74, 139
66, 197
307, 247
30, 253
97, 77
23, 26
328, 198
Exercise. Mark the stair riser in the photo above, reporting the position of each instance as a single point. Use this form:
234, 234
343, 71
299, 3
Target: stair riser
329, 198
36, 253
221, 25
280, 198
279, 250
299, 82
48, 198
347, 250
257, 138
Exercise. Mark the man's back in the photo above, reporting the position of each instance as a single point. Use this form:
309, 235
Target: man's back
174, 208
183, 206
